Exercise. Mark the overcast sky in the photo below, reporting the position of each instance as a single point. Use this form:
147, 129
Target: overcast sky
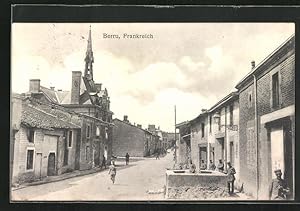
190, 65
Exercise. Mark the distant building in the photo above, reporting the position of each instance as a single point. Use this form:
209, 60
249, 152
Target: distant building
267, 121
183, 142
132, 139
92, 102
43, 141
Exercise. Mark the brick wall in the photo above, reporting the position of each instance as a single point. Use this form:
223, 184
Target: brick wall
127, 138
287, 97
246, 121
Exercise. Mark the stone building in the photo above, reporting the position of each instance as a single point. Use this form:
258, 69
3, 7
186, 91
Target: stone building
43, 143
133, 139
183, 143
267, 121
92, 102
223, 136
199, 138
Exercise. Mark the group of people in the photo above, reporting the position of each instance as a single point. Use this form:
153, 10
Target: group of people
220, 167
278, 189
112, 168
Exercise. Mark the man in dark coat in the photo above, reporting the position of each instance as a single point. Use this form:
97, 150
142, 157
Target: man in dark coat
220, 166
231, 178
103, 162
278, 189
127, 158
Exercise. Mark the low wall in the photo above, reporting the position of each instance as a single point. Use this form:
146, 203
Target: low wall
198, 185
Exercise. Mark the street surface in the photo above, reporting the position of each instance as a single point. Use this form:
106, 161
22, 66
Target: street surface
132, 183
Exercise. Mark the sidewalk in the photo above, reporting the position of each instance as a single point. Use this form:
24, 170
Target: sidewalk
61, 177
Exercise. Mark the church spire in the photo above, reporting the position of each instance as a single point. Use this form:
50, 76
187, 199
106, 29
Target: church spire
89, 58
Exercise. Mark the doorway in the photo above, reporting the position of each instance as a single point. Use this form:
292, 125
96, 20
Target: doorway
231, 153
51, 164
281, 150
202, 155
38, 166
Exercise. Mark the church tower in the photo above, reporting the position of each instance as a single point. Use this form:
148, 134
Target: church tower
89, 59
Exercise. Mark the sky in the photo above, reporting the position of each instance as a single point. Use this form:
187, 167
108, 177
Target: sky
190, 65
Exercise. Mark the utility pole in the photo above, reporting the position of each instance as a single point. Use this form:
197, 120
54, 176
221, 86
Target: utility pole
175, 138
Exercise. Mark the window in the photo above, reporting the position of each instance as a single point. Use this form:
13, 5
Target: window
87, 152
70, 139
275, 90
202, 130
106, 134
249, 100
210, 118
88, 128
31, 136
29, 164
97, 131
231, 114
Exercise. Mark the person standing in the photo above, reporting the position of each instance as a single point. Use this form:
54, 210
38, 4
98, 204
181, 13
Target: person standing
203, 165
278, 189
231, 178
157, 154
212, 166
103, 163
220, 166
192, 167
127, 158
112, 171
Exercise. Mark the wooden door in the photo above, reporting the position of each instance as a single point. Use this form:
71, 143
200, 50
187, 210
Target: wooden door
51, 164
38, 166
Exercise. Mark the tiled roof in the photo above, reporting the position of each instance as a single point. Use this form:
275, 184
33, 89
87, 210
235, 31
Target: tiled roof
50, 94
37, 117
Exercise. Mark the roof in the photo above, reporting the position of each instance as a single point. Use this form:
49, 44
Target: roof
182, 124
36, 117
128, 123
229, 97
258, 67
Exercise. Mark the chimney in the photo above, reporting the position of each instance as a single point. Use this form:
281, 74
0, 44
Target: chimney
203, 110
139, 126
52, 87
60, 90
125, 118
98, 87
75, 90
34, 85
252, 65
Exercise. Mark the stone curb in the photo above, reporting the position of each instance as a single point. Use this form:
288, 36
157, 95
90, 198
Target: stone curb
64, 177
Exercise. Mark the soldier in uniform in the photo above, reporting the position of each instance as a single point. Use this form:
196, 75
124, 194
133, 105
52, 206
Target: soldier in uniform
212, 166
278, 189
220, 166
231, 178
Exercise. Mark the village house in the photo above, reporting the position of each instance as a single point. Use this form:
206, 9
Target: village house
199, 138
267, 121
171, 139
223, 136
132, 139
183, 143
92, 102
43, 143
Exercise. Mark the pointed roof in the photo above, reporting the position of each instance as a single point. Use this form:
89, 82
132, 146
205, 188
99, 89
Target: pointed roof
89, 51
